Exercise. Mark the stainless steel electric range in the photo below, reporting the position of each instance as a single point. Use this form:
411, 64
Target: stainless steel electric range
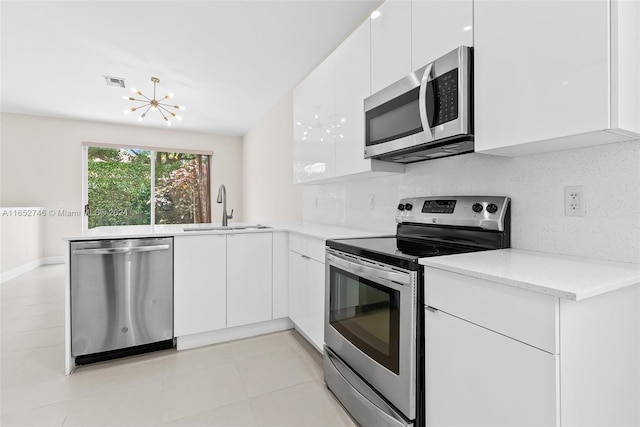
374, 316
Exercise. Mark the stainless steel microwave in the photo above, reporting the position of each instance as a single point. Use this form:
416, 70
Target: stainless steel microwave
428, 114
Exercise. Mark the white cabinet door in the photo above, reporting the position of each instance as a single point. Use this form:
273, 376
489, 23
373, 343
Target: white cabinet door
200, 274
280, 275
478, 377
438, 27
313, 310
625, 65
249, 275
313, 116
297, 284
540, 70
306, 287
390, 44
353, 85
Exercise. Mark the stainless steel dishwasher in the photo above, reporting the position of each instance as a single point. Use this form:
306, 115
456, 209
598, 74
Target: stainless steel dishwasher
121, 297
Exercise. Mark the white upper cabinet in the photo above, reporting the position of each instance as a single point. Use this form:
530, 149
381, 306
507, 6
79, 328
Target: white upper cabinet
438, 27
352, 86
328, 116
313, 143
555, 75
625, 67
390, 43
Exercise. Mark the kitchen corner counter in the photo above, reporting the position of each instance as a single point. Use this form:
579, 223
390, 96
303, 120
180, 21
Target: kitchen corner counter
569, 277
316, 230
324, 231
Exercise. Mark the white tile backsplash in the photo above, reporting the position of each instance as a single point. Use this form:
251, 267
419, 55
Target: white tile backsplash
609, 173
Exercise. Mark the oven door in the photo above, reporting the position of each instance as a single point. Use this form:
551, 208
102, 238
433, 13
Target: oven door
370, 323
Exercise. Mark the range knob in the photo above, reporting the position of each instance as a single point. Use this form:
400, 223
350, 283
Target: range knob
400, 207
477, 207
408, 206
491, 208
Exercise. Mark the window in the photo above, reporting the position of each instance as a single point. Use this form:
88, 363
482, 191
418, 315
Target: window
131, 186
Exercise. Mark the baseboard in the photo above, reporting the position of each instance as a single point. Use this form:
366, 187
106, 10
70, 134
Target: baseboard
52, 260
31, 265
235, 333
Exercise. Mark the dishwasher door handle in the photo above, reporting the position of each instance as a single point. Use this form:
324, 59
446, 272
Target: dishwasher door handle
113, 251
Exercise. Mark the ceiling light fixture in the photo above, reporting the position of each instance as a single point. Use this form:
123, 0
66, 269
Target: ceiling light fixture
153, 104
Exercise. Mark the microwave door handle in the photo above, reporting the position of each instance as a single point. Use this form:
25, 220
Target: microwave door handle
422, 100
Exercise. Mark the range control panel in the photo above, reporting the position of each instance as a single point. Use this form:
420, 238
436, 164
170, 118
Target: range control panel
486, 212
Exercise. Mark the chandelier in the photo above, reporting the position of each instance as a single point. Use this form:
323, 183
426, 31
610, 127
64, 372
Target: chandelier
151, 104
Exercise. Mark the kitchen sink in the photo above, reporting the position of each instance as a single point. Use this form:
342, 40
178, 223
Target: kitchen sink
227, 227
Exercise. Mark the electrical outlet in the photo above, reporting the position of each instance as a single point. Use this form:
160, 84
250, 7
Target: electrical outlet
574, 201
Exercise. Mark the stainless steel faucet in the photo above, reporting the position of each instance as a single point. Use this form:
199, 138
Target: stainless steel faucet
222, 198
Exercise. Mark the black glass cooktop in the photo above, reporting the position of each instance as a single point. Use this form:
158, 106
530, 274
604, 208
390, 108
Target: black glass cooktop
385, 249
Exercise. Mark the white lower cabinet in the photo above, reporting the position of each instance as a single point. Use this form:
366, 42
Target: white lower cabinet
200, 283
249, 278
225, 280
306, 287
497, 355
478, 377
280, 274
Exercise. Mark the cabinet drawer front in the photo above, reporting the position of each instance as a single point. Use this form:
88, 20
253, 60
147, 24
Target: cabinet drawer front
297, 243
523, 315
316, 249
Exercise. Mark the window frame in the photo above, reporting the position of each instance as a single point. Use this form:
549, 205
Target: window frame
152, 150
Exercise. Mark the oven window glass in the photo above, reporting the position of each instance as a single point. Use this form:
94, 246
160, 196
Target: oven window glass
368, 315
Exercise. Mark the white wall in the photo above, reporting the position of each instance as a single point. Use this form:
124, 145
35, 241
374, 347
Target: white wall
41, 165
21, 243
269, 193
610, 174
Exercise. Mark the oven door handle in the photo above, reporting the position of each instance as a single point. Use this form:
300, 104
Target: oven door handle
373, 272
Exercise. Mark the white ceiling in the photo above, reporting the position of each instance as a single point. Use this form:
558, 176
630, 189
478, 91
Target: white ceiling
228, 62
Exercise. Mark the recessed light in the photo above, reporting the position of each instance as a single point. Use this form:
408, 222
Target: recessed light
375, 14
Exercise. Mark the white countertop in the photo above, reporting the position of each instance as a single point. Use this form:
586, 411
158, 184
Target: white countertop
569, 277
316, 230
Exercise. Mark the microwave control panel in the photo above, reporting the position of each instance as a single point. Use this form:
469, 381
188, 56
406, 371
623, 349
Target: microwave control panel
445, 97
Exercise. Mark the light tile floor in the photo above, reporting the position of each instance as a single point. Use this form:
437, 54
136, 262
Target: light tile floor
274, 379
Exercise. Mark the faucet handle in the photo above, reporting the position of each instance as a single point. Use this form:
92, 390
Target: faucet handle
230, 216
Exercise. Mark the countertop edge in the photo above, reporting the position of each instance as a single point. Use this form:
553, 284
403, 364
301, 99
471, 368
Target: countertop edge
508, 275
313, 230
